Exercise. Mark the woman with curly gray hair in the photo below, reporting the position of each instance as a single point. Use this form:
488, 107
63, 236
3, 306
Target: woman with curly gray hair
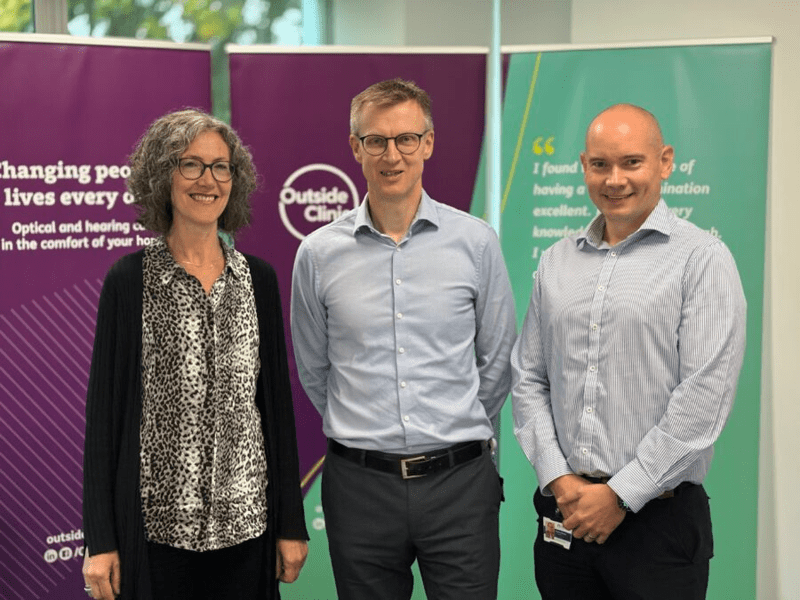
191, 483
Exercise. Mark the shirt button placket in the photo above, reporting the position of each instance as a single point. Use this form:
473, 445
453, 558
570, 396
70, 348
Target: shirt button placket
592, 379
398, 286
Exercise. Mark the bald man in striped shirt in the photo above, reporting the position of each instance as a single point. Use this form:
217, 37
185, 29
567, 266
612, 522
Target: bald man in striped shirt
624, 376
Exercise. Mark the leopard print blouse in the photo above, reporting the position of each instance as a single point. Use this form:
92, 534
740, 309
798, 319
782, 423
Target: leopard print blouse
203, 466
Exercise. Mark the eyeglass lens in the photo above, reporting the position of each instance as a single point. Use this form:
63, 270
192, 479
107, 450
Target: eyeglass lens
190, 168
406, 143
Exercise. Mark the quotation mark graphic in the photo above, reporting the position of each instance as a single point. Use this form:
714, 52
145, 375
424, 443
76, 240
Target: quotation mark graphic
548, 145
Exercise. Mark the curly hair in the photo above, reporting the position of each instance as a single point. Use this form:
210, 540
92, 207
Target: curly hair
389, 93
155, 158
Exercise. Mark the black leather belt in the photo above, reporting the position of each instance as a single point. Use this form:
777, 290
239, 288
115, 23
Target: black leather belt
413, 466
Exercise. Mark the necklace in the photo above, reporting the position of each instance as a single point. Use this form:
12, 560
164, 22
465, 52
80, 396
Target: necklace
207, 266
197, 265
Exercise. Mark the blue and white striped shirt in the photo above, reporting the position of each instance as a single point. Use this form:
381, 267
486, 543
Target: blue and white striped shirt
629, 356
404, 347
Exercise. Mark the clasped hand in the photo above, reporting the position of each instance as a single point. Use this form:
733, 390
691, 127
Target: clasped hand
590, 510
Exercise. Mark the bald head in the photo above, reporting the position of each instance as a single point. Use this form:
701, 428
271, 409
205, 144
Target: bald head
624, 164
626, 119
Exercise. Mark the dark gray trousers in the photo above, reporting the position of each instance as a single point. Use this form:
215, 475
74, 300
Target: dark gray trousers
378, 524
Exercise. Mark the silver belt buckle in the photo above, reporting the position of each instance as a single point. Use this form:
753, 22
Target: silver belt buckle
404, 466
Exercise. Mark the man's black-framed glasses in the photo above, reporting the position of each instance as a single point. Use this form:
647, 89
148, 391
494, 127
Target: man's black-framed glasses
191, 168
406, 143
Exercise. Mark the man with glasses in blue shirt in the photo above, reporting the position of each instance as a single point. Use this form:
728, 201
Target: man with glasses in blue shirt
403, 322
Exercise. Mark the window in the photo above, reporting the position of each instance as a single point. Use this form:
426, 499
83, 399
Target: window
16, 15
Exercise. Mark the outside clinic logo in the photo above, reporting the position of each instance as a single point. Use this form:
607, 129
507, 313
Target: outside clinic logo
315, 195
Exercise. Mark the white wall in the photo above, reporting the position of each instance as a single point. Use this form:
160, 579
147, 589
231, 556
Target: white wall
447, 22
466, 23
368, 23
637, 20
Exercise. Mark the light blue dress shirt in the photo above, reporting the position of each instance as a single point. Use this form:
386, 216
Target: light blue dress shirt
629, 357
404, 347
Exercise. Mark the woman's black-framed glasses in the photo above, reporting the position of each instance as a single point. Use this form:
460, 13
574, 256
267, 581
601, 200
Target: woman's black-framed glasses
406, 143
191, 168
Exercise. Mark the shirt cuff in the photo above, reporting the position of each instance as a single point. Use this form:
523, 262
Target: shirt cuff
634, 486
550, 467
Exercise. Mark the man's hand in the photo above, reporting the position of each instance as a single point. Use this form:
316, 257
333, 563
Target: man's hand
291, 556
566, 490
590, 510
101, 573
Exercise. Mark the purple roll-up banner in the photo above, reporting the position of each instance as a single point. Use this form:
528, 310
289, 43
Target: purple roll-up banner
71, 111
292, 108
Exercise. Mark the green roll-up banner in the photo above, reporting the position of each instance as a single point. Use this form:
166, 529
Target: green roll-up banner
712, 101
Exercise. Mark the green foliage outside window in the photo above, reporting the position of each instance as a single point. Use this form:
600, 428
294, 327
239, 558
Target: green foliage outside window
16, 15
216, 22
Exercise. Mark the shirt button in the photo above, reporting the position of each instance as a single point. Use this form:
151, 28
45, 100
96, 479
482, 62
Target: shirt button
584, 451
399, 315
593, 368
398, 281
402, 350
589, 409
601, 287
594, 326
613, 254
402, 384
405, 418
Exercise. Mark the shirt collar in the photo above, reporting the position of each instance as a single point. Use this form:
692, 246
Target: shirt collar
235, 262
661, 220
427, 212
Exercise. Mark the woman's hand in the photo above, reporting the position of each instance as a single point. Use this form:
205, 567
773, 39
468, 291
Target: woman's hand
291, 556
101, 573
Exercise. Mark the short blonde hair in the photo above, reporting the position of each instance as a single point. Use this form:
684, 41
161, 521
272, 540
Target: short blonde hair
389, 93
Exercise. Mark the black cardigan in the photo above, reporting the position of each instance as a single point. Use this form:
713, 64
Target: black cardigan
112, 512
